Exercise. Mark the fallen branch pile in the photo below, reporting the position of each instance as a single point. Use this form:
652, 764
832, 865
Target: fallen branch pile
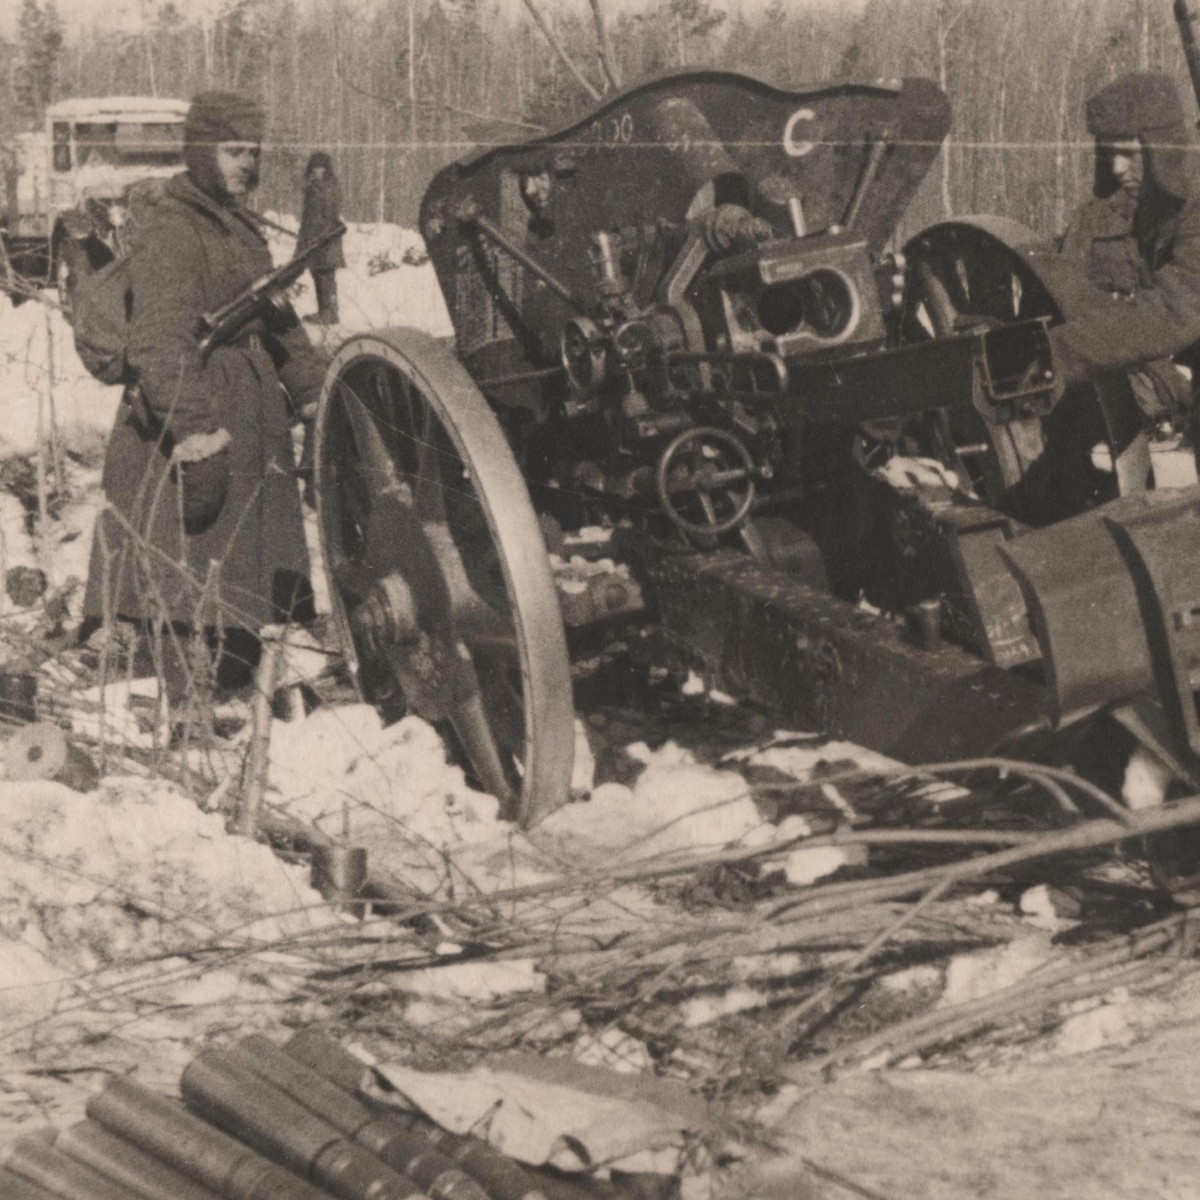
712, 966
730, 996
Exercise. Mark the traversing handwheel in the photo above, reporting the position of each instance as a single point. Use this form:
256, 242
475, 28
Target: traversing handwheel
705, 481
440, 583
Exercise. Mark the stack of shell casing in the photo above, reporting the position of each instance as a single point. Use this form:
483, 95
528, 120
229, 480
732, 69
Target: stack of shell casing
259, 1122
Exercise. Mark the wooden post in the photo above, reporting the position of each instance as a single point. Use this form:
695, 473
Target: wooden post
254, 782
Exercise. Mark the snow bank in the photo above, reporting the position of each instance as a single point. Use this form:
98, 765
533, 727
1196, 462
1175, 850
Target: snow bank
342, 763
133, 873
387, 281
42, 374
676, 805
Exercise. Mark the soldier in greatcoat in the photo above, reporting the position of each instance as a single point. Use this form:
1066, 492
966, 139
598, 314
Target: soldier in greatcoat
1155, 314
204, 527
320, 215
1102, 234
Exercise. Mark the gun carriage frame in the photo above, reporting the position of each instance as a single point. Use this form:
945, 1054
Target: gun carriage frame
687, 320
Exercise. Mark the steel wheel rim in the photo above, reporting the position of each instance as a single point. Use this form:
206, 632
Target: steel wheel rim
475, 543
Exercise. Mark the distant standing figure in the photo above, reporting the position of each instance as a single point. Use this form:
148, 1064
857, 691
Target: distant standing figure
321, 214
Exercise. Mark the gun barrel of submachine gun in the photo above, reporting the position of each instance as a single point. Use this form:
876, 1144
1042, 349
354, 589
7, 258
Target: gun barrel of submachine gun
166, 1129
500, 1177
284, 1130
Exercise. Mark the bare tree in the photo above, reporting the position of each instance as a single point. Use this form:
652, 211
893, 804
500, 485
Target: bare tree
559, 49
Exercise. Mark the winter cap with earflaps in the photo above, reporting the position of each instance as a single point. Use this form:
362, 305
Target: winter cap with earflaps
223, 117
216, 117
1145, 106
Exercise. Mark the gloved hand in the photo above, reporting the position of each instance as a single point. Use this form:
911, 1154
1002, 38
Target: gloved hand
1069, 365
201, 465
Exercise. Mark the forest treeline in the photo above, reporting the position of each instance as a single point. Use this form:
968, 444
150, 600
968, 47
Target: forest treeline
397, 88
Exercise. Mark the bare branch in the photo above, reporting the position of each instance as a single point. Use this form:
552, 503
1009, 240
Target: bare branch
611, 74
399, 104
391, 101
560, 50
532, 126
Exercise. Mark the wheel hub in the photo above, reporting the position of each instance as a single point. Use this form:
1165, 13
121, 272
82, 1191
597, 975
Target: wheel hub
388, 616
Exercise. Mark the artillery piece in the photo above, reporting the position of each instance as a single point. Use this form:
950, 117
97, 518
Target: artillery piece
686, 320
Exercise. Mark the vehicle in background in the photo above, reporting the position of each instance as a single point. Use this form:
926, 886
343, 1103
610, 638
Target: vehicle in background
70, 188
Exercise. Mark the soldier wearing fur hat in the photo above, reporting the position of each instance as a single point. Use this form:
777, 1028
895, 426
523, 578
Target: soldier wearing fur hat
321, 214
204, 525
1141, 243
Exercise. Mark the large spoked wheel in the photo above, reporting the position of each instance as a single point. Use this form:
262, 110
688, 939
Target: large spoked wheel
440, 584
987, 272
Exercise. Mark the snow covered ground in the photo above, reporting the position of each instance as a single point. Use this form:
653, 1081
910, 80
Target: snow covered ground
132, 925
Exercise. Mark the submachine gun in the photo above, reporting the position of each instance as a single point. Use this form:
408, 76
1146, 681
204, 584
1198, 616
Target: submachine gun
268, 293
689, 322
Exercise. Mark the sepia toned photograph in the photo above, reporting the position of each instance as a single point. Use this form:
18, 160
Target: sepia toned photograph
599, 599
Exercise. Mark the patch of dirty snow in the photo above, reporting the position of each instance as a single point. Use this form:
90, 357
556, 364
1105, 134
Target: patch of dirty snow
614, 1049
483, 981
676, 805
907, 473
806, 864
43, 375
388, 281
704, 1010
912, 979
1047, 908
1107, 1025
390, 789
1145, 782
982, 972
105, 898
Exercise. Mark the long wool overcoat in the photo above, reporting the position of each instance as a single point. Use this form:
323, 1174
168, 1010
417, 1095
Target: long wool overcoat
1162, 317
246, 569
320, 215
1103, 238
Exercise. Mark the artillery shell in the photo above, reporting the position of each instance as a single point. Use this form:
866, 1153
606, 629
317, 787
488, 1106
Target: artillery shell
390, 1140
205, 1154
38, 1160
288, 1132
90, 1143
500, 1177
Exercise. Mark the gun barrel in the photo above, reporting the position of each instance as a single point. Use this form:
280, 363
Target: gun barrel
288, 1132
208, 1155
225, 322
